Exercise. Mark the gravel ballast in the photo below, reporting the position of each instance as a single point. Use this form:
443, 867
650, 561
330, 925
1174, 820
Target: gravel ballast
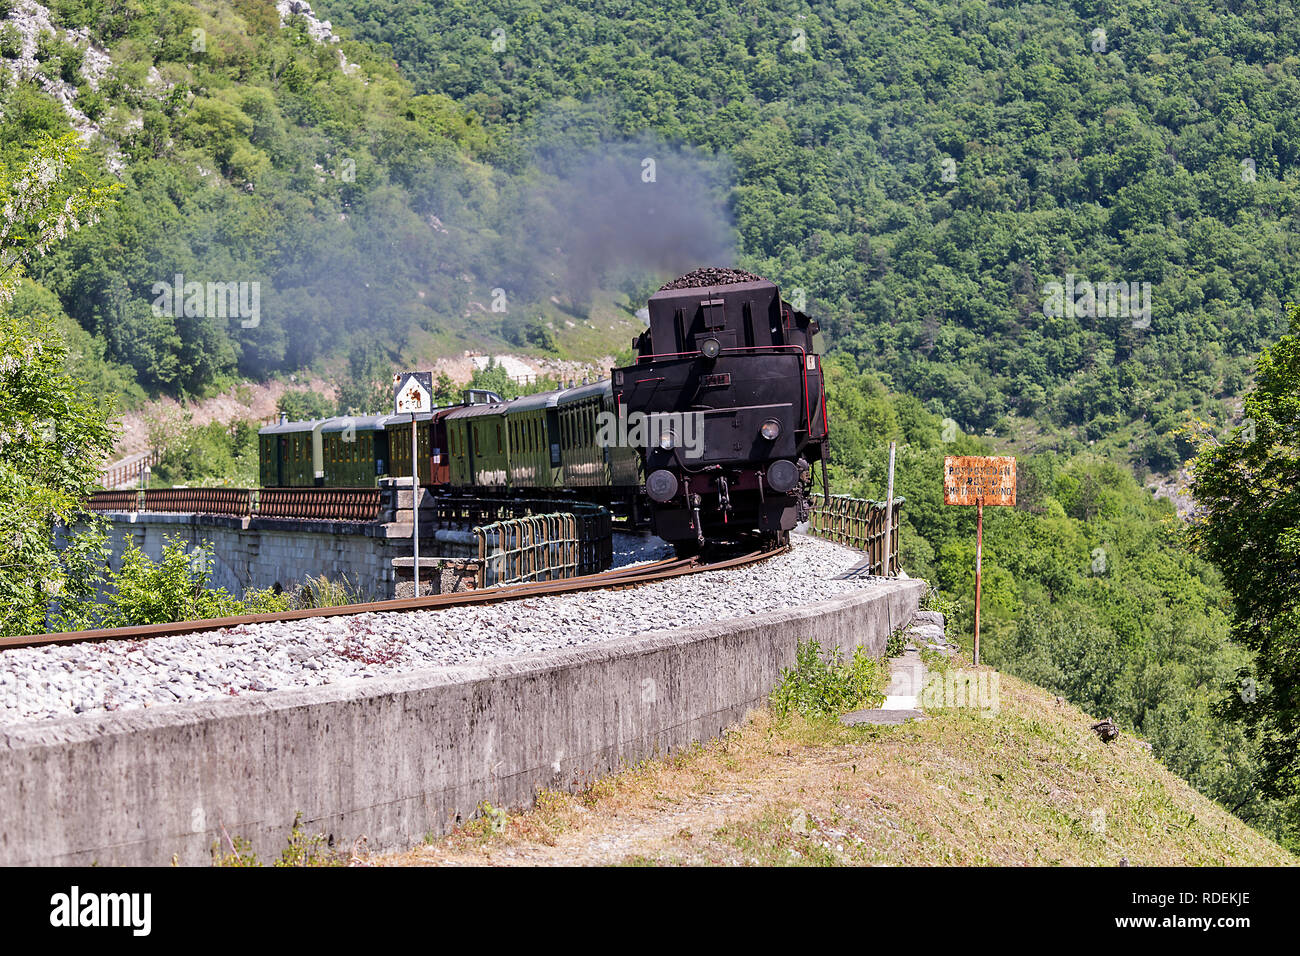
94, 678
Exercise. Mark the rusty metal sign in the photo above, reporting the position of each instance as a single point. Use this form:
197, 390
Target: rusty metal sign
412, 393
972, 479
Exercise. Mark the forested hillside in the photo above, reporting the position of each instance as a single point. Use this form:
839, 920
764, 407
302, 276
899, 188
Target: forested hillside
921, 174
279, 159
924, 170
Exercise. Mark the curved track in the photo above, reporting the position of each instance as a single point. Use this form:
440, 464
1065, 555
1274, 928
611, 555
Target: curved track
617, 578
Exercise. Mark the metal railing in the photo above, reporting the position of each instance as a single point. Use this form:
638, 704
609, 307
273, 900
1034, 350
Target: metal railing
594, 532
322, 504
858, 523
128, 470
203, 501
531, 539
536, 548
114, 501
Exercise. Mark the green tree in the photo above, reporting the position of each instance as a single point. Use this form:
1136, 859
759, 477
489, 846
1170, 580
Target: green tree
368, 388
303, 404
49, 195
53, 434
445, 391
53, 437
1247, 490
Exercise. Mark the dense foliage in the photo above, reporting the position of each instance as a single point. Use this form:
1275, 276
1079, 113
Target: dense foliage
53, 434
218, 453
916, 176
1247, 490
260, 158
826, 687
173, 588
924, 170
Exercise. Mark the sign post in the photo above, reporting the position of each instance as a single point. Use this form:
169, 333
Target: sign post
413, 394
979, 481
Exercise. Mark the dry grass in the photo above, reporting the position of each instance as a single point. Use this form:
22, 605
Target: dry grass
1033, 785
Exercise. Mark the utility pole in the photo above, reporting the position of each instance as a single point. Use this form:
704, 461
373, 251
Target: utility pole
889, 516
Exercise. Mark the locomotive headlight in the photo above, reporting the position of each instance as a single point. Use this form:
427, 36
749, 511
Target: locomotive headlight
710, 348
666, 439
782, 475
771, 429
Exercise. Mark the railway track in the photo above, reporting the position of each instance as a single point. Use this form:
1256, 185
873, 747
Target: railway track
617, 578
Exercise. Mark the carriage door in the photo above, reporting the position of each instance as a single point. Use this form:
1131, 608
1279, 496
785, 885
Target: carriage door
439, 459
469, 451
553, 435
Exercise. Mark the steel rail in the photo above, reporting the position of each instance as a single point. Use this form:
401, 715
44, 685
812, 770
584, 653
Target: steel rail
619, 577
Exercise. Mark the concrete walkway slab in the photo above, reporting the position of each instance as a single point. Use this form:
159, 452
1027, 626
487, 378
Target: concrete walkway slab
906, 680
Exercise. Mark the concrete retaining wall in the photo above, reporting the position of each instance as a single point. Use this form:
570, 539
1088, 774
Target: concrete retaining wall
393, 759
263, 552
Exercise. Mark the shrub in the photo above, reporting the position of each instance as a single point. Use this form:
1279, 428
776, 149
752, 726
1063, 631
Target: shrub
11, 42
47, 46
70, 59
174, 588
320, 591
304, 850
935, 600
301, 405
827, 688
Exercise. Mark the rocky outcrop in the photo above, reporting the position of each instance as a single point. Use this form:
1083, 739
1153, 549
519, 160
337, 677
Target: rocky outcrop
30, 20
319, 30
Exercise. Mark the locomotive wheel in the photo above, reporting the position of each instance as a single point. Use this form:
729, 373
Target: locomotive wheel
688, 549
776, 539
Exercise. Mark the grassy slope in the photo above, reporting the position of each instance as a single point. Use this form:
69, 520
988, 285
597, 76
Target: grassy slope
1024, 787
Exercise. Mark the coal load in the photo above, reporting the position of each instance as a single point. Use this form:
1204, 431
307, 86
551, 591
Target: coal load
702, 278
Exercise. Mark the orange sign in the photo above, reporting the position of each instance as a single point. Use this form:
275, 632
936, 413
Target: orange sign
971, 479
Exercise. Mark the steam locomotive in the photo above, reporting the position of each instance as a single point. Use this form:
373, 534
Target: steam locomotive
730, 377
712, 433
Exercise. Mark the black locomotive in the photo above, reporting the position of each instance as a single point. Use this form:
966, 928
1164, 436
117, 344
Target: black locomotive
728, 388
